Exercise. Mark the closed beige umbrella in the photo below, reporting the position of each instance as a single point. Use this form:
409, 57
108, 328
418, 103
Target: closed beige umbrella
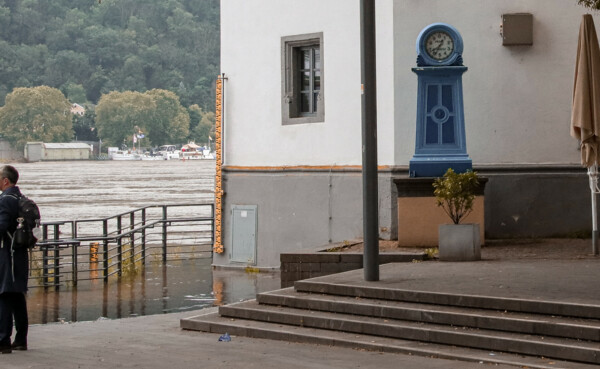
585, 117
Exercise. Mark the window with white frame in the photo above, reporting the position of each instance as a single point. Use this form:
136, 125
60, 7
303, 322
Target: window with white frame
302, 79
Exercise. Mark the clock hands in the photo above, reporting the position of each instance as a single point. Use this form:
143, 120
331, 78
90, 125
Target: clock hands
435, 50
438, 46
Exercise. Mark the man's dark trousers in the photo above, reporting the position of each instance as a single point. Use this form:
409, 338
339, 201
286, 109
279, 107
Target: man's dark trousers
13, 304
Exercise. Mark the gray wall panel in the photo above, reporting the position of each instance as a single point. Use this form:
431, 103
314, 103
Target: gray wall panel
296, 210
537, 205
308, 209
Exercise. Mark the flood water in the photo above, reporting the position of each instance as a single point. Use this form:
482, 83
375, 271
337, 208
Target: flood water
97, 189
175, 287
76, 190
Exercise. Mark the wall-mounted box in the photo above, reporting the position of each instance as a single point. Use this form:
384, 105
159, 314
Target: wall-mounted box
517, 29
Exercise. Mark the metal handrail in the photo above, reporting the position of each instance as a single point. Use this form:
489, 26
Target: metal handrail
138, 209
110, 249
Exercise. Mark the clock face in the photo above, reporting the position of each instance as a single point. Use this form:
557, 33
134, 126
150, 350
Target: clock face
439, 45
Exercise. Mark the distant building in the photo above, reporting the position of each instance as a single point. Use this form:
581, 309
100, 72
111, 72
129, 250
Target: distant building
77, 109
8, 152
39, 151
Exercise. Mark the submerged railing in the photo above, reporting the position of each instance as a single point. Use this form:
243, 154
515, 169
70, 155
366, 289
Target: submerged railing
96, 249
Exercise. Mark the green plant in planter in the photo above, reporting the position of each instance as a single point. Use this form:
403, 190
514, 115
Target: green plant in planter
455, 193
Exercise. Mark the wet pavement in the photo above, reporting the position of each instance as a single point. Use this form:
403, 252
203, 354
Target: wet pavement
157, 342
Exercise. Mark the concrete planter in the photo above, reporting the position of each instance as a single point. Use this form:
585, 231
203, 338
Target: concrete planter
459, 242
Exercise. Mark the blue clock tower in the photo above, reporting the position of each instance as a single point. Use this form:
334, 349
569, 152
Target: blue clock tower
440, 138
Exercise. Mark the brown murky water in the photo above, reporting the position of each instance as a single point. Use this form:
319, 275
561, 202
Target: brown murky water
97, 189
94, 189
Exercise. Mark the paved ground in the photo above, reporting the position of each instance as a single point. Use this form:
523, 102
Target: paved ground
158, 342
547, 269
568, 280
554, 248
543, 269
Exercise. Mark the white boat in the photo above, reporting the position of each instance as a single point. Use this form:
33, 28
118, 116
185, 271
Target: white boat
125, 155
190, 155
171, 155
152, 157
191, 151
169, 152
208, 155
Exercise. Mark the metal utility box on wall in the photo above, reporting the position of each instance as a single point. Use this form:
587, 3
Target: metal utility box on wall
517, 29
243, 233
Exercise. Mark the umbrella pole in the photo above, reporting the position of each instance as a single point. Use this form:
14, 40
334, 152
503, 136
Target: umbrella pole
593, 174
594, 226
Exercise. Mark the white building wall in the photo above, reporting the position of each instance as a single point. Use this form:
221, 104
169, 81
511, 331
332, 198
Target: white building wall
251, 32
517, 98
66, 154
386, 90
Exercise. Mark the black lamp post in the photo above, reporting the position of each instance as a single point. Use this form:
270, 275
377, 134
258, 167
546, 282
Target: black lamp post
369, 141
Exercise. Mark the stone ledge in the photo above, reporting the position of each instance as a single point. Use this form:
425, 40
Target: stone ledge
305, 264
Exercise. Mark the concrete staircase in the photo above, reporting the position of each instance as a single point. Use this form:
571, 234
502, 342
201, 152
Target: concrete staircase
526, 333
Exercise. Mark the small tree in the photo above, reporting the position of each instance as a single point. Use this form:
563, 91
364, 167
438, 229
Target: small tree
204, 126
455, 193
84, 126
169, 122
118, 113
36, 114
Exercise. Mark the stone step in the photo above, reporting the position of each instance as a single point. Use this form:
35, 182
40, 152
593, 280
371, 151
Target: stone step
564, 349
239, 327
316, 285
575, 328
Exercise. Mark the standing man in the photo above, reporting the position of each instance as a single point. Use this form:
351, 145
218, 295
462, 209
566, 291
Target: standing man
14, 267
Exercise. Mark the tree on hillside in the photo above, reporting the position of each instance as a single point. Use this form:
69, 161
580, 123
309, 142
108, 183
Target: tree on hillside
119, 113
170, 122
195, 113
84, 126
204, 125
36, 114
74, 92
111, 45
